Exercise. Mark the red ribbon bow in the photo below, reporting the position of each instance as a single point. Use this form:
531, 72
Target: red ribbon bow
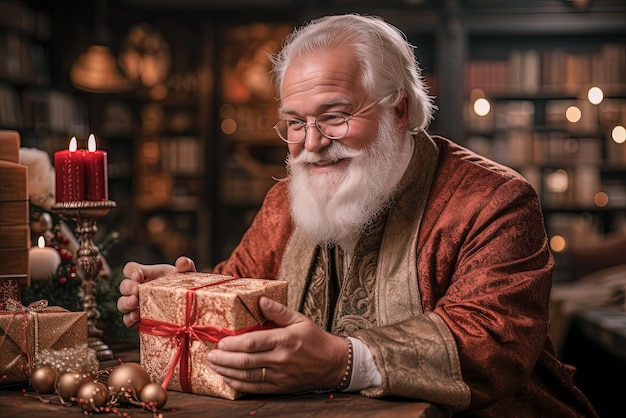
15, 308
187, 333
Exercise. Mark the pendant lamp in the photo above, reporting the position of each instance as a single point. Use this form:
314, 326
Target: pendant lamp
96, 70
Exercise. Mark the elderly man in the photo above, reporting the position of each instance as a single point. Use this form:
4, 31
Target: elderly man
416, 268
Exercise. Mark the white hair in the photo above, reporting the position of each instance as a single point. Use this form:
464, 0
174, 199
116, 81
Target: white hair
386, 58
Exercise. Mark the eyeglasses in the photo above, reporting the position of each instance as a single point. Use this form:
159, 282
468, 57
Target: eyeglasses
330, 125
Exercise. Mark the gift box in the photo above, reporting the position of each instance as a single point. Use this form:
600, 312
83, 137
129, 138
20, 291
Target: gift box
26, 331
14, 222
10, 146
184, 315
10, 289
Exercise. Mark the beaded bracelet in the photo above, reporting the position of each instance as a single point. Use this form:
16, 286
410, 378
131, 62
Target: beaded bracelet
345, 380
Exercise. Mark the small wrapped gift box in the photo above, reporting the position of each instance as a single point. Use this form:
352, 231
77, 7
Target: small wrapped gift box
10, 289
14, 222
184, 315
27, 331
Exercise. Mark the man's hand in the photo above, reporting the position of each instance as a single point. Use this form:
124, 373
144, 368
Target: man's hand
296, 357
135, 273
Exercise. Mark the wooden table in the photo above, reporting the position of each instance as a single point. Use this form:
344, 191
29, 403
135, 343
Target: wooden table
24, 402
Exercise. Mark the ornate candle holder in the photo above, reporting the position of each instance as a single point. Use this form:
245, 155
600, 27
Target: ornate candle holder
88, 262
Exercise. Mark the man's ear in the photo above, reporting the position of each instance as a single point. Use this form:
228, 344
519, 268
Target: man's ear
402, 110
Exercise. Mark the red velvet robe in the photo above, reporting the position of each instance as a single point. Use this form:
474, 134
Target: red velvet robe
483, 268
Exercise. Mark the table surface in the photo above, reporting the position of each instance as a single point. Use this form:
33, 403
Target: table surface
23, 401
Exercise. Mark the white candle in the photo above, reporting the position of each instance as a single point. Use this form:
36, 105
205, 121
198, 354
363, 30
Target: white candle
44, 261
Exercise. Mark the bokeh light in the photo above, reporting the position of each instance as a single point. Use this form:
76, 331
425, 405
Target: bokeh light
618, 134
558, 243
482, 106
595, 95
573, 114
601, 199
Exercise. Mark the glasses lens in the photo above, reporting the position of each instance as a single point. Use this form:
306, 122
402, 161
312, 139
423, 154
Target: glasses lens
331, 125
290, 130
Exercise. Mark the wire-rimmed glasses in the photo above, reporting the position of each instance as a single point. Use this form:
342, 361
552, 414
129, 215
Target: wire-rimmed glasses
331, 125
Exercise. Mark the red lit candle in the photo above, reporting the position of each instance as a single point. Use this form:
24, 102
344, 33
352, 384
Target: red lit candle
70, 173
96, 181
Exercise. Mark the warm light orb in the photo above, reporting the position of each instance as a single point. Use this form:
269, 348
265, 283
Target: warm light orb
595, 95
557, 181
229, 126
558, 243
151, 152
41, 242
618, 134
482, 106
601, 199
573, 114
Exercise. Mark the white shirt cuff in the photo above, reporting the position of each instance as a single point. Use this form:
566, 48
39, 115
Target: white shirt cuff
364, 371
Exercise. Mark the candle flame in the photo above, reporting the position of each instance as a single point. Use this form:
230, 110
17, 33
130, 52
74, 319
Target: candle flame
41, 242
73, 144
91, 143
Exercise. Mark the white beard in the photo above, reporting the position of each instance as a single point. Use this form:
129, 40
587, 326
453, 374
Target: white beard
332, 207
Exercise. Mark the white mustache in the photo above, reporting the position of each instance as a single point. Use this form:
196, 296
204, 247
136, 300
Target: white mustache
334, 152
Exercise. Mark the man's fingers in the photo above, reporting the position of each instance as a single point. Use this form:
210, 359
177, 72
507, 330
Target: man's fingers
277, 312
133, 270
142, 272
131, 319
126, 304
129, 287
185, 264
134, 274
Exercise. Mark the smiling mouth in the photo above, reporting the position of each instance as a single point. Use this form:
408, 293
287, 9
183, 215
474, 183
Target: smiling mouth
327, 162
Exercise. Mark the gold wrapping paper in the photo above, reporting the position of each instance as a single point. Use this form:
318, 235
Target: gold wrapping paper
9, 289
13, 182
14, 219
10, 146
14, 236
24, 334
206, 302
14, 212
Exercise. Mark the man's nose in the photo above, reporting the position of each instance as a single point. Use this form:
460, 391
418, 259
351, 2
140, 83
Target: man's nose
314, 139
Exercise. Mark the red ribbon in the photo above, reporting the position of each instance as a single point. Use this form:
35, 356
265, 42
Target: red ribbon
185, 334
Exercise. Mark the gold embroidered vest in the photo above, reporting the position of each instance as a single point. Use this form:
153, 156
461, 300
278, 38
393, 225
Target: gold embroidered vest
380, 286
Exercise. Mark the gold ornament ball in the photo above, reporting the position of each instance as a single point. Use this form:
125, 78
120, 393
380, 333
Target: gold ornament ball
154, 394
43, 379
68, 384
129, 376
92, 396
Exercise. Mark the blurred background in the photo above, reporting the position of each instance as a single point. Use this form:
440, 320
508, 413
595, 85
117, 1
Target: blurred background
177, 92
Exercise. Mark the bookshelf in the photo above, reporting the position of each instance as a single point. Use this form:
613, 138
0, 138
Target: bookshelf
543, 123
192, 165
44, 115
172, 144
251, 156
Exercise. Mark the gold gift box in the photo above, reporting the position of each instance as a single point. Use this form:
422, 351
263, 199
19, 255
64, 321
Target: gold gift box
23, 335
10, 146
14, 222
184, 315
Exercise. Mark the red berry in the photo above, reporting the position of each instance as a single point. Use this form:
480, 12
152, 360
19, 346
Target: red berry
65, 254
